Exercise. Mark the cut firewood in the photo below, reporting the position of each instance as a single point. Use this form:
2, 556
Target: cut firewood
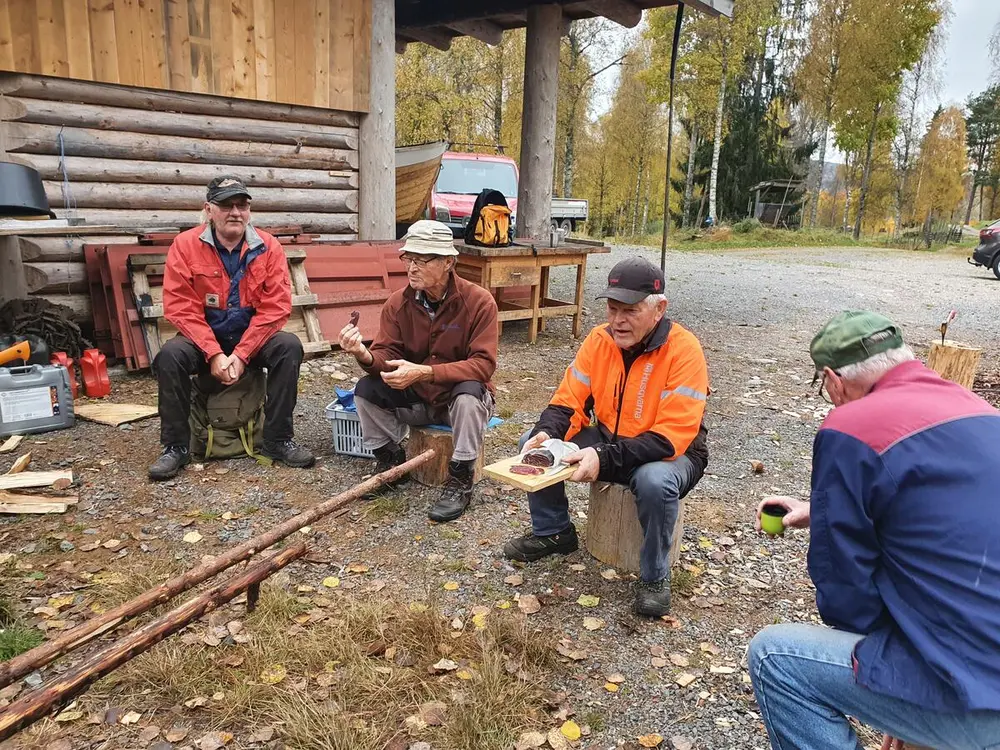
39, 656
17, 497
11, 443
39, 703
115, 414
33, 479
20, 464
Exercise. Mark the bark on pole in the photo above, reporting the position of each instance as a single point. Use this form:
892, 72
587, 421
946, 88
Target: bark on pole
713, 185
378, 131
538, 124
50, 650
39, 703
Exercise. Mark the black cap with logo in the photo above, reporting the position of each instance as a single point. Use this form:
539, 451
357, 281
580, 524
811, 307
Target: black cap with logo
632, 280
226, 187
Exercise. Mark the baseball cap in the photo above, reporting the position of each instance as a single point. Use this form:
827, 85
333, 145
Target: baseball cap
226, 187
853, 337
428, 237
632, 280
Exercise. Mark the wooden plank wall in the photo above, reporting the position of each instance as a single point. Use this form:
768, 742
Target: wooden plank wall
311, 52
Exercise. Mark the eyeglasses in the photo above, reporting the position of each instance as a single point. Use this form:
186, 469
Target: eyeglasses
240, 206
417, 261
823, 394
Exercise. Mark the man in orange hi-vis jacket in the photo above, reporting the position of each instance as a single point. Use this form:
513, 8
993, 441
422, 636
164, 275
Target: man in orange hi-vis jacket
633, 400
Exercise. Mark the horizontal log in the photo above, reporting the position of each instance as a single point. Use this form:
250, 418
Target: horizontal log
191, 197
314, 223
66, 249
59, 278
58, 691
86, 92
91, 169
132, 120
83, 311
29, 138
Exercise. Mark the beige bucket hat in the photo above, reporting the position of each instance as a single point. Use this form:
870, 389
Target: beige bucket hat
427, 237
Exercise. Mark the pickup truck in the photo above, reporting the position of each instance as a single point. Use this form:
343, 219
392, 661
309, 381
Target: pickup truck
463, 176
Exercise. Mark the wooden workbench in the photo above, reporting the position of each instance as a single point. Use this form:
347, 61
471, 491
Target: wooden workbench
525, 265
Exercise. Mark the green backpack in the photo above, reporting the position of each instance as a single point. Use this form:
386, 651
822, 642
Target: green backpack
228, 421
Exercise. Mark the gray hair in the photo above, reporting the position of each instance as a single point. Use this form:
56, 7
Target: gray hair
869, 371
654, 299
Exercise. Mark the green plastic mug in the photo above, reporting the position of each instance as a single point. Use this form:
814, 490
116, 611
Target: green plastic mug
772, 519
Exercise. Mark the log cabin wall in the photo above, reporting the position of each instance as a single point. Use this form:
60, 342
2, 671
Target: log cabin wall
309, 52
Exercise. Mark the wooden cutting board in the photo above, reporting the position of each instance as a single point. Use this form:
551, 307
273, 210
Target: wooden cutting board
529, 483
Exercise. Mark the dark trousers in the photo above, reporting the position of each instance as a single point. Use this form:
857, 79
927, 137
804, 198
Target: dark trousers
179, 359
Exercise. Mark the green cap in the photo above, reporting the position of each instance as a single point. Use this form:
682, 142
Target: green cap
853, 337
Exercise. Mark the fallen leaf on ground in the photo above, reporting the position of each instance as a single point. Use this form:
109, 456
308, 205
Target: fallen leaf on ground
274, 674
611, 687
709, 648
112, 544
577, 567
192, 537
69, 716
463, 674
331, 582
504, 604
529, 604
176, 733
264, 734
587, 600
658, 662
681, 743
132, 717
514, 580
610, 574
757, 466
214, 740
197, 702
651, 740
672, 621
529, 741
357, 568
593, 623
570, 730
557, 741
616, 678
150, 733
679, 660
723, 670
444, 665
685, 678
451, 586
566, 648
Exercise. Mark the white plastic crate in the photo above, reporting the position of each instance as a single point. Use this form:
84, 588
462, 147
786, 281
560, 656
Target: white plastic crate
346, 431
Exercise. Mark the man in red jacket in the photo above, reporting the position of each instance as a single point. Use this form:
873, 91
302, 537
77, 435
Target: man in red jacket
227, 290
430, 363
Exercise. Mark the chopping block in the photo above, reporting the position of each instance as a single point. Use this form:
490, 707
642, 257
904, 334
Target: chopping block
614, 534
434, 473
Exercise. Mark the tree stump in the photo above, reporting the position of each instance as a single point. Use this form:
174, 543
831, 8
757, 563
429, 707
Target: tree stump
614, 535
434, 473
955, 362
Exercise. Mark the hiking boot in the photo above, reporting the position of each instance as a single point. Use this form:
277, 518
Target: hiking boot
529, 547
289, 453
388, 457
172, 460
457, 492
652, 598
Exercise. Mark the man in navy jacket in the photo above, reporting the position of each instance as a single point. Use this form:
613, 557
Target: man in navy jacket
904, 520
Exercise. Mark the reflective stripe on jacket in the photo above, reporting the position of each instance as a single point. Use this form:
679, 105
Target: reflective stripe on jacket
196, 289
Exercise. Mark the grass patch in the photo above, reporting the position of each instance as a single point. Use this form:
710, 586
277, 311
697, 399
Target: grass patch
386, 505
353, 678
682, 582
505, 412
132, 578
16, 639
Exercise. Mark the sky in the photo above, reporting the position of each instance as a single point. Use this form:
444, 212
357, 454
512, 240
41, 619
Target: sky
966, 60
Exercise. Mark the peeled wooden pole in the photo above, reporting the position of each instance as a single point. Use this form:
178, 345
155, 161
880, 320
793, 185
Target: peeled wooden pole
39, 703
50, 650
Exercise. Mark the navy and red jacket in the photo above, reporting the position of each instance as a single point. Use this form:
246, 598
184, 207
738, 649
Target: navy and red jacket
905, 538
222, 313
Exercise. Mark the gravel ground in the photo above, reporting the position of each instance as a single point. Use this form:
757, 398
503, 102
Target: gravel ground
754, 312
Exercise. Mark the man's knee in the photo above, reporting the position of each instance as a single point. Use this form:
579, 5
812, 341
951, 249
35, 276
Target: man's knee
370, 388
658, 481
287, 345
178, 356
465, 403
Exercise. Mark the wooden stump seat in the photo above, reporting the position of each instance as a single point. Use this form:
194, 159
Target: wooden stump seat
614, 535
434, 473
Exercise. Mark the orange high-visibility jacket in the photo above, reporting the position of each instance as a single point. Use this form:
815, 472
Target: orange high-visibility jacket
664, 391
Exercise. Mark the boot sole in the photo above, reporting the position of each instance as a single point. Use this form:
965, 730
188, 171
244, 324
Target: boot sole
535, 556
445, 518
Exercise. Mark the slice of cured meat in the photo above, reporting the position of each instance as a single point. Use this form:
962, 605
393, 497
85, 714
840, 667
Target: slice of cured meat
355, 317
539, 457
529, 470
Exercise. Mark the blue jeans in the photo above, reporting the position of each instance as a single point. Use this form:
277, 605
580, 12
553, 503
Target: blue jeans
804, 682
658, 488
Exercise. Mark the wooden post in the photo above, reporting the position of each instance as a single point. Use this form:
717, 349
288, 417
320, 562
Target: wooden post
538, 124
377, 142
614, 535
955, 362
434, 473
13, 284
